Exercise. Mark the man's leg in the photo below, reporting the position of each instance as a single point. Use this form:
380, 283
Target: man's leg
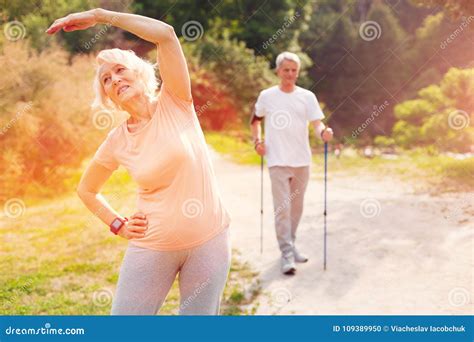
298, 185
280, 177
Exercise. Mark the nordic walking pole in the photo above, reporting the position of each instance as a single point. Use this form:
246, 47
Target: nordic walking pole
261, 204
325, 198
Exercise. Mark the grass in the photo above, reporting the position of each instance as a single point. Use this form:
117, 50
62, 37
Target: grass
427, 172
59, 259
236, 145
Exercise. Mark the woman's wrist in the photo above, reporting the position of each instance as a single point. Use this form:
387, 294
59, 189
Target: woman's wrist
103, 16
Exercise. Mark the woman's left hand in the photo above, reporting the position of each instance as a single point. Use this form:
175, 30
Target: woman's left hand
74, 22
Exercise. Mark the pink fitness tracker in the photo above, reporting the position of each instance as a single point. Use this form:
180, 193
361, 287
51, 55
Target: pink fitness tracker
117, 224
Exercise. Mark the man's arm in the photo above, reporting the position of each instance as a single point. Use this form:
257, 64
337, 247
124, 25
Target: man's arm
256, 129
323, 132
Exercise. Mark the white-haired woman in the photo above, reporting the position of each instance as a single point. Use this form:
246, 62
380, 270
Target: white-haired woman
181, 224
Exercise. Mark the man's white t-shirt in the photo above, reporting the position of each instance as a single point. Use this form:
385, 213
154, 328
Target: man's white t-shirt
286, 124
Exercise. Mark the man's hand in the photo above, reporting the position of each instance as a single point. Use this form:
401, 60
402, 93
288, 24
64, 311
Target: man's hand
260, 148
327, 134
135, 227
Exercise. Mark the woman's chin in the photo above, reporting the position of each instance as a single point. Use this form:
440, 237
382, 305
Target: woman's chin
126, 97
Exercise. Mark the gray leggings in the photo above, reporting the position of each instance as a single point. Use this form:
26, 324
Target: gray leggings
146, 277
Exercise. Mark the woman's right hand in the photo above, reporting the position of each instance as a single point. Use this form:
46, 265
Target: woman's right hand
135, 227
74, 22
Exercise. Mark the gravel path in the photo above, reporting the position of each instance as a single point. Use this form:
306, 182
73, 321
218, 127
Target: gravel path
390, 250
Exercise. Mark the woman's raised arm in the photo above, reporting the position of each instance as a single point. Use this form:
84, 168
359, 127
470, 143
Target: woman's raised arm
171, 60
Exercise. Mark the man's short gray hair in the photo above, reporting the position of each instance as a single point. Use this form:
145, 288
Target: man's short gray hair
288, 56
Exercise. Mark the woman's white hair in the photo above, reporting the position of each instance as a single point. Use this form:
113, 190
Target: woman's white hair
290, 56
145, 73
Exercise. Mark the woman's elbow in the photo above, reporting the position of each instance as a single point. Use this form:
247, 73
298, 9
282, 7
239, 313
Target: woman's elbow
167, 34
82, 192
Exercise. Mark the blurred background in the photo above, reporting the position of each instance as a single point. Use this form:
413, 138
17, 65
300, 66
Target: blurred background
395, 79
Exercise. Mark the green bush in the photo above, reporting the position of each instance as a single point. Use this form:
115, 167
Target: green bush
441, 116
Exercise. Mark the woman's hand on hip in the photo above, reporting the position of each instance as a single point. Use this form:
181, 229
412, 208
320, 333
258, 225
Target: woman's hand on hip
74, 22
135, 227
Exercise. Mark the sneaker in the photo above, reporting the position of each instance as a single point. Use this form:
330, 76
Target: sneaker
288, 265
300, 257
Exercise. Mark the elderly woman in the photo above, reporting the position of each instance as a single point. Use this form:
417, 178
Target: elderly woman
181, 226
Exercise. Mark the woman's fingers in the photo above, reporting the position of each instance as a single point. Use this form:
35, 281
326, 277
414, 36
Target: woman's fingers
136, 226
137, 229
73, 22
70, 28
138, 215
138, 222
132, 235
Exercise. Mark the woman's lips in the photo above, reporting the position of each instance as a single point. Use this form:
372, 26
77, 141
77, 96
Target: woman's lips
121, 89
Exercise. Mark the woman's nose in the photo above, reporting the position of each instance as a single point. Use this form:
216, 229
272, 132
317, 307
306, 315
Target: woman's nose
115, 80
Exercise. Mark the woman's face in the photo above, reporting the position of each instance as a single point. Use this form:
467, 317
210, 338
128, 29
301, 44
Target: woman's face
120, 83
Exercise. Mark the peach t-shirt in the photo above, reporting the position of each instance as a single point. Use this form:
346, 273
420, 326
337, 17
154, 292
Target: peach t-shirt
177, 188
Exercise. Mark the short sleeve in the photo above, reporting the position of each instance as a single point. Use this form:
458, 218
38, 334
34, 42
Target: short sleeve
105, 155
313, 109
260, 106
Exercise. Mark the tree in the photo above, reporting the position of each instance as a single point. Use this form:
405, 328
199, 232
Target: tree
268, 27
440, 116
36, 16
455, 7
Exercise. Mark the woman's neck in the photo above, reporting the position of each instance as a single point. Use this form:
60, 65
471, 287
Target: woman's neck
140, 109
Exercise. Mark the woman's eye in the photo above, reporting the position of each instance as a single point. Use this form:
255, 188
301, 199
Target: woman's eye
106, 79
120, 69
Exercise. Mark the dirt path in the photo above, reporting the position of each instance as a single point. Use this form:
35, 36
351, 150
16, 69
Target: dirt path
390, 251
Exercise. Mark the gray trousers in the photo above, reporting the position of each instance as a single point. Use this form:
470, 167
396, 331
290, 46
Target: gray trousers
288, 189
146, 277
